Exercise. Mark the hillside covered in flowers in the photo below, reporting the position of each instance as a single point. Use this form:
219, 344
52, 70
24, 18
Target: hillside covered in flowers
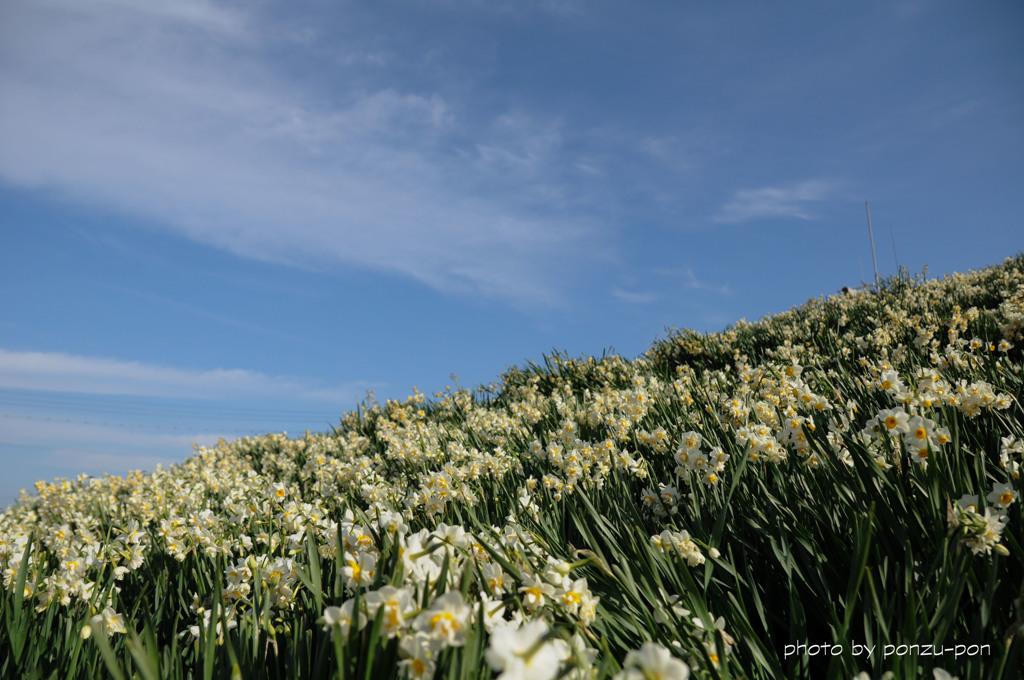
832, 492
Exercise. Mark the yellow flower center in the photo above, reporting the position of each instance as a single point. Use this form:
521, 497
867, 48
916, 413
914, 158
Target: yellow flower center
1006, 498
921, 433
391, 614
891, 422
444, 619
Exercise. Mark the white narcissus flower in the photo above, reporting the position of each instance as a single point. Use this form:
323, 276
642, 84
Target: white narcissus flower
493, 612
341, 617
359, 569
495, 578
521, 653
894, 420
653, 662
890, 380
535, 591
418, 651
446, 620
108, 621
1002, 496
968, 502
333, 616
577, 599
398, 604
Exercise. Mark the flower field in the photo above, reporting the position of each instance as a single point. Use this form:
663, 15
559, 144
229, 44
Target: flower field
833, 492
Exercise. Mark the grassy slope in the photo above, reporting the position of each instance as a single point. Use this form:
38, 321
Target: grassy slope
827, 536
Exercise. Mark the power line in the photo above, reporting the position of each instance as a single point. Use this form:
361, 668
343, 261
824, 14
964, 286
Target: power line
143, 426
92, 403
119, 402
154, 413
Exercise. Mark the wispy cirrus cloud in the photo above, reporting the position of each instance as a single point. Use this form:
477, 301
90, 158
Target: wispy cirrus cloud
691, 282
559, 8
59, 372
183, 116
787, 201
671, 280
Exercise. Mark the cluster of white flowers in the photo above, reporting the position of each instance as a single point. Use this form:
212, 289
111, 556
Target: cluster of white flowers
693, 463
254, 505
652, 661
919, 435
981, 529
545, 587
680, 543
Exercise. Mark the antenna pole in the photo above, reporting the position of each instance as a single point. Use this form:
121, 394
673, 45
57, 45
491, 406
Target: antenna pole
871, 235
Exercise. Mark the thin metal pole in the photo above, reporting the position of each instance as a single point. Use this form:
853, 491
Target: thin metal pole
871, 235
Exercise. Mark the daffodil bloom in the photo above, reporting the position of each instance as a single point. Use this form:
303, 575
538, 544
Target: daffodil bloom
653, 662
968, 502
535, 591
894, 420
1002, 495
342, 618
419, 651
108, 622
397, 604
523, 653
446, 620
359, 569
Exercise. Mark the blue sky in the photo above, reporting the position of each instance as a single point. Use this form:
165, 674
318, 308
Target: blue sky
228, 218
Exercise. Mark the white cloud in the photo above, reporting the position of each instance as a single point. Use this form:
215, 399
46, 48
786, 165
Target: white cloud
688, 279
559, 8
672, 279
677, 152
693, 283
182, 116
791, 201
58, 372
519, 142
199, 14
